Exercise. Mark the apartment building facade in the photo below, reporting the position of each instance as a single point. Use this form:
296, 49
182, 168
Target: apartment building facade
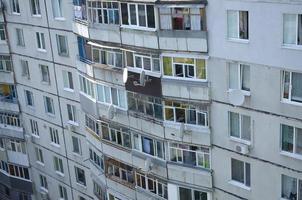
172, 100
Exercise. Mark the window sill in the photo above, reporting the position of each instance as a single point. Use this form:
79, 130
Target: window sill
55, 145
238, 184
285, 101
31, 107
51, 115
237, 40
37, 16
234, 139
245, 93
184, 79
81, 185
63, 55
73, 123
148, 72
42, 50
40, 163
60, 174
45, 83
76, 154
43, 190
2, 149
60, 18
291, 155
291, 47
68, 90
35, 136
18, 14
138, 28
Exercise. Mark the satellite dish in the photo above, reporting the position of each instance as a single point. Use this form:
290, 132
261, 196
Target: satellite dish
142, 78
236, 97
110, 112
148, 164
125, 75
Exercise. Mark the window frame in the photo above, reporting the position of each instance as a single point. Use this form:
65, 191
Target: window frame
6, 63
239, 69
72, 114
78, 181
25, 69
15, 7
39, 156
292, 153
290, 88
238, 26
20, 37
51, 105
297, 45
237, 183
59, 9
3, 36
46, 76
68, 84
192, 193
35, 8
79, 151
30, 103
93, 13
240, 139
54, 137
119, 91
61, 46
40, 39
34, 128
58, 166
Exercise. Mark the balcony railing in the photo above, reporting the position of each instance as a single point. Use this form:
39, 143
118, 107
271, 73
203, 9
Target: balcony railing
8, 99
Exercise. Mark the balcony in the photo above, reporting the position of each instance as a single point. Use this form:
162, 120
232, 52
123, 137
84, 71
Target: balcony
10, 125
16, 183
185, 89
6, 77
8, 103
190, 175
139, 38
80, 25
17, 158
183, 40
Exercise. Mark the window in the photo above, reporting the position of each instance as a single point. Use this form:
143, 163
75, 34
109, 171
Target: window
76, 143
49, 107
182, 18
35, 7
148, 105
151, 184
5, 63
111, 95
190, 155
292, 29
57, 8
9, 119
63, 193
43, 182
291, 139
190, 194
58, 165
238, 24
149, 146
240, 126
92, 125
98, 191
103, 12
54, 136
120, 171
96, 159
239, 76
1, 143
67, 80
2, 32
16, 146
29, 98
117, 135
18, 171
80, 176
292, 90
15, 6
241, 172
185, 113
107, 57
188, 68
25, 69
291, 188
39, 155
142, 62
20, 37
71, 111
45, 74
24, 196
34, 127
87, 87
62, 44
4, 166
40, 41
138, 15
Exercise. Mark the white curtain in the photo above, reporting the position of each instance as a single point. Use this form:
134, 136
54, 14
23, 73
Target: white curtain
195, 22
289, 187
289, 29
245, 76
233, 24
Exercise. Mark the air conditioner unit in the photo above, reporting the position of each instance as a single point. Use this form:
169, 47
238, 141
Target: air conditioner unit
242, 148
